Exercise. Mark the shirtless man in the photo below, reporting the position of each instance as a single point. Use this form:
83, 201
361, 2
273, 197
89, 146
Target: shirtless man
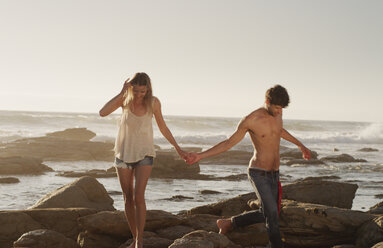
265, 127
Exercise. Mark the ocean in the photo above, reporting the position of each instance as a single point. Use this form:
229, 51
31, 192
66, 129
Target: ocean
324, 137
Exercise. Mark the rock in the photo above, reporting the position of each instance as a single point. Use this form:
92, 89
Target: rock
209, 192
156, 219
231, 157
67, 145
337, 194
90, 173
370, 233
13, 224
174, 232
112, 223
227, 207
304, 162
203, 239
321, 178
9, 180
295, 153
178, 198
342, 158
22, 165
169, 165
85, 192
344, 246
253, 235
378, 245
205, 222
335, 150
367, 149
92, 240
43, 238
151, 240
376, 209
379, 196
311, 225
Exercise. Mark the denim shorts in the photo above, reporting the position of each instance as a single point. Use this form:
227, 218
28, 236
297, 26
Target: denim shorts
118, 163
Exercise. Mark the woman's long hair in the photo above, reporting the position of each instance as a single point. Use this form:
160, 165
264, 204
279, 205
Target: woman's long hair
141, 79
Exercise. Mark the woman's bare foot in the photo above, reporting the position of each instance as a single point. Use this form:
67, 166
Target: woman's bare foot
224, 225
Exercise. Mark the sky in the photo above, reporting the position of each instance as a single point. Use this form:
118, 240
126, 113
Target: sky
205, 57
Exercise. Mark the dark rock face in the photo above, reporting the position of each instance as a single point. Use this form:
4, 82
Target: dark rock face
336, 194
9, 180
342, 158
376, 209
85, 192
368, 149
370, 233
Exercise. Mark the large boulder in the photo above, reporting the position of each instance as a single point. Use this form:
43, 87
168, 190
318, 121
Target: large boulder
22, 165
167, 164
43, 238
203, 239
338, 194
68, 145
85, 192
228, 207
312, 225
370, 233
249, 236
15, 223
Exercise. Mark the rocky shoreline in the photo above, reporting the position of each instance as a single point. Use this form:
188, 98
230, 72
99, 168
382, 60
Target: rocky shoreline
81, 213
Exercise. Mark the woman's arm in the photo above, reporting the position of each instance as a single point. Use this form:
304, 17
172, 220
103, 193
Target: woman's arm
164, 128
115, 102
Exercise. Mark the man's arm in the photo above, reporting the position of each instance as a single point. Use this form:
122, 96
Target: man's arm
223, 146
287, 136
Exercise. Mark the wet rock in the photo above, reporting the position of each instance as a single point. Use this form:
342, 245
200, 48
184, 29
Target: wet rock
9, 180
85, 192
337, 194
22, 165
69, 145
379, 196
228, 207
91, 173
370, 233
231, 157
178, 198
169, 165
295, 153
367, 149
43, 238
305, 162
209, 192
342, 158
311, 225
203, 239
376, 209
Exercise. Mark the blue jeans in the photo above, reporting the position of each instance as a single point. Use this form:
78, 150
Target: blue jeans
266, 186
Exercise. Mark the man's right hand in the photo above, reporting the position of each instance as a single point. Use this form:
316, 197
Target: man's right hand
306, 153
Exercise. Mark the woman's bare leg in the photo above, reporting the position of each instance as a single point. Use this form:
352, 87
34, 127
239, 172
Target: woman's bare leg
125, 177
142, 174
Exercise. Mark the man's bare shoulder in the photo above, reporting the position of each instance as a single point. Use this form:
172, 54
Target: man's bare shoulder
257, 114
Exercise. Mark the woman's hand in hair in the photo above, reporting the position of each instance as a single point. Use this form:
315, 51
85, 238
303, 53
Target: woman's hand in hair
126, 86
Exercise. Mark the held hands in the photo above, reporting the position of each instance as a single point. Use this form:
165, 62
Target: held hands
306, 153
189, 157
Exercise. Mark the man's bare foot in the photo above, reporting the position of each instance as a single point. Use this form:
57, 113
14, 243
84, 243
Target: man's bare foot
224, 225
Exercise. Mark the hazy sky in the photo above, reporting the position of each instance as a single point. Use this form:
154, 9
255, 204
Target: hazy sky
205, 57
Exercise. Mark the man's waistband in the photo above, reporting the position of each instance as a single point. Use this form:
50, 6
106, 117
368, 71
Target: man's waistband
264, 172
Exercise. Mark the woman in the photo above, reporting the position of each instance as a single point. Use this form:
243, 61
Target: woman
134, 148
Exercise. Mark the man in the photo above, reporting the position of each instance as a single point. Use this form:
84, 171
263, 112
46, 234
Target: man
265, 127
